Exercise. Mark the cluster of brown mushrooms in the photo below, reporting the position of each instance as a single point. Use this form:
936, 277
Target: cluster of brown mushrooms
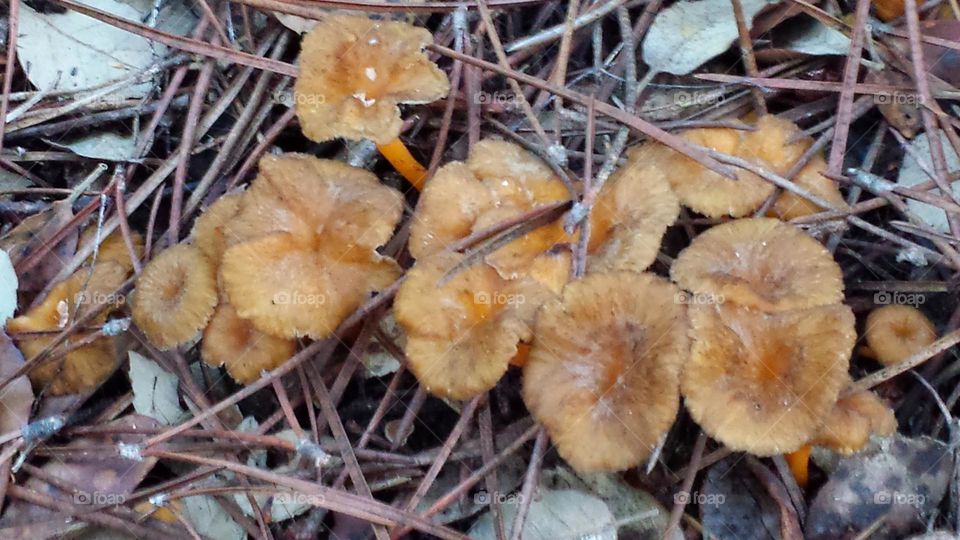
750, 329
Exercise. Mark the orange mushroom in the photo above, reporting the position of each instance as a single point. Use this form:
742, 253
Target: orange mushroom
211, 231
354, 72
175, 296
789, 206
714, 195
604, 367
761, 263
113, 248
853, 420
305, 238
464, 323
235, 342
897, 332
84, 366
765, 382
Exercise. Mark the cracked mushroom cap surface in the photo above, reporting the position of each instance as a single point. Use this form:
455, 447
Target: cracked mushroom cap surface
499, 181
853, 420
354, 72
761, 263
175, 296
305, 250
464, 322
245, 351
714, 195
82, 368
604, 366
764, 383
631, 215
211, 231
897, 332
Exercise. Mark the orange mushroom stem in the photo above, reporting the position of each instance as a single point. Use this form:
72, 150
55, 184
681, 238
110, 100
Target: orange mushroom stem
799, 462
403, 161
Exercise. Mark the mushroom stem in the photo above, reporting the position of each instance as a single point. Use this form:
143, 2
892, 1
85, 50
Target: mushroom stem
799, 462
403, 161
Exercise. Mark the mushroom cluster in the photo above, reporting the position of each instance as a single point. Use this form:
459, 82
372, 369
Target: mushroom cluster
291, 257
354, 72
84, 364
486, 304
771, 340
774, 144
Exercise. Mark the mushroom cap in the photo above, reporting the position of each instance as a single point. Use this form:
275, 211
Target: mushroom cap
765, 382
288, 288
603, 371
355, 71
463, 328
211, 230
897, 332
82, 368
499, 181
852, 420
235, 342
113, 248
176, 295
631, 215
713, 195
317, 199
789, 206
761, 263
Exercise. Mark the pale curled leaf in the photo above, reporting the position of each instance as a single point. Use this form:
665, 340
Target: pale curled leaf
809, 36
689, 33
563, 513
8, 287
107, 145
911, 174
155, 390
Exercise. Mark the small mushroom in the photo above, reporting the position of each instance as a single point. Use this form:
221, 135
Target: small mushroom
235, 342
853, 420
113, 248
464, 323
765, 382
897, 332
175, 296
714, 195
354, 72
761, 263
789, 206
604, 367
211, 231
85, 365
305, 239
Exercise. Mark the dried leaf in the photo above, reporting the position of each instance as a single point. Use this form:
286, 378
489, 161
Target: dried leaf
31, 234
107, 145
810, 36
553, 514
8, 287
689, 33
734, 504
17, 398
210, 519
912, 174
902, 482
155, 391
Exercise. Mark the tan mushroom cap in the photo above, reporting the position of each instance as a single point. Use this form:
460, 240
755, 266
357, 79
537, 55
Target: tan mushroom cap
761, 263
713, 195
853, 420
355, 71
499, 181
175, 296
235, 342
288, 288
211, 231
765, 382
305, 245
113, 248
897, 332
603, 372
464, 327
631, 215
789, 206
85, 367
